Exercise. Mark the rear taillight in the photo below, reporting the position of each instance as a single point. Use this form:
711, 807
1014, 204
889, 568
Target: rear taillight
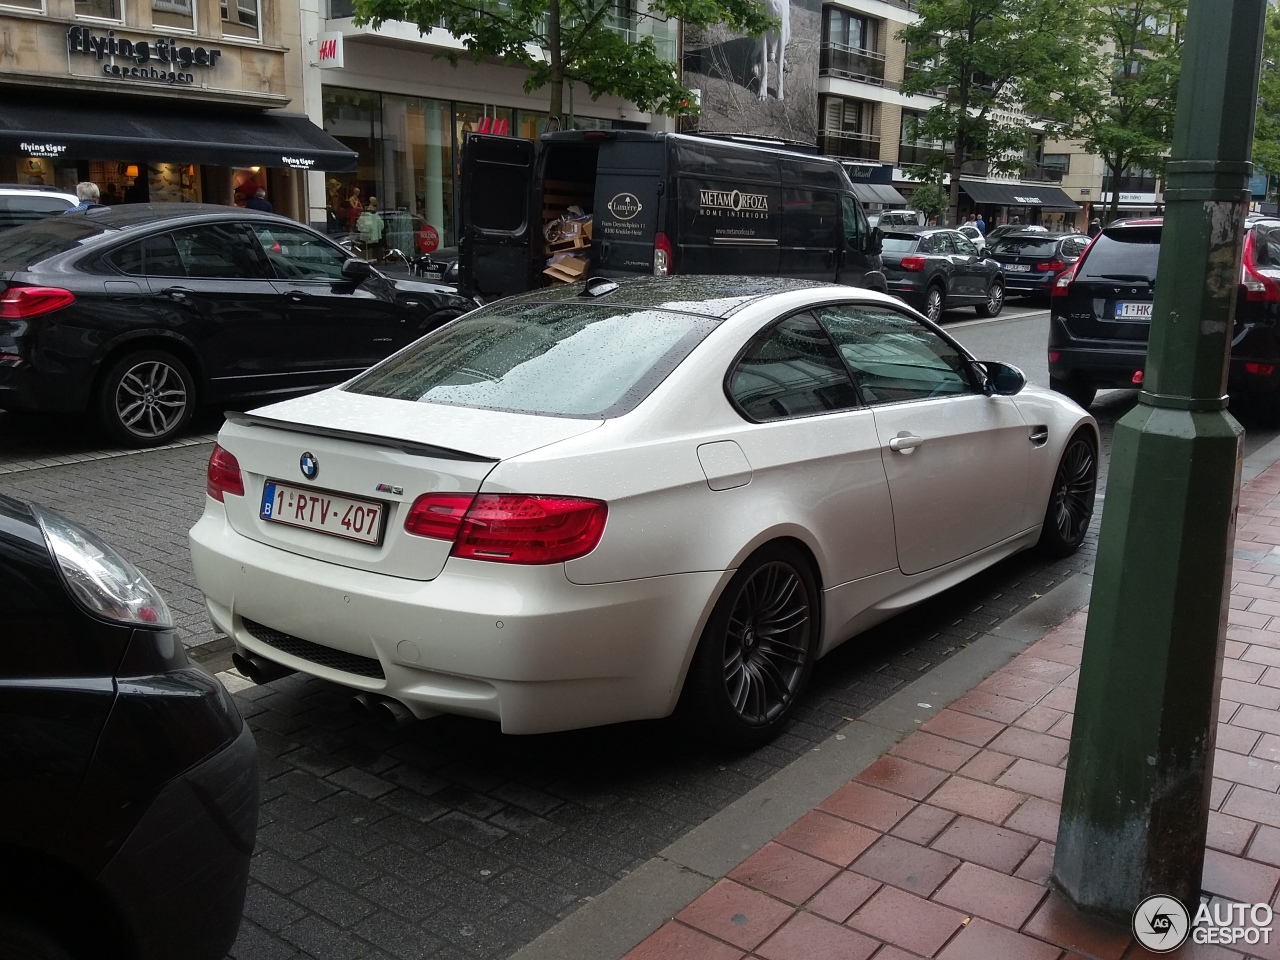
223, 475
1062, 286
1054, 355
1051, 266
510, 528
1257, 288
1259, 369
663, 258
22, 303
913, 264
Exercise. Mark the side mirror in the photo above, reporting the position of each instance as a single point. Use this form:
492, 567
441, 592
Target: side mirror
357, 269
1001, 379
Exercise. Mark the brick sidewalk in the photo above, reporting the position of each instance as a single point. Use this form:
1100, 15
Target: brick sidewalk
942, 847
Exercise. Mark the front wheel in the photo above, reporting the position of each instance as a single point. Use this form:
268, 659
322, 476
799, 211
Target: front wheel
146, 398
1081, 393
1070, 509
757, 650
995, 301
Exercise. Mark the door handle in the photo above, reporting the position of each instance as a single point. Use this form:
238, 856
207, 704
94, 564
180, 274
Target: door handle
905, 443
176, 293
297, 296
1039, 435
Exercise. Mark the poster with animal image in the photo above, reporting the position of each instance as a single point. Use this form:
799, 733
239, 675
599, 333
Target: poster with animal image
766, 85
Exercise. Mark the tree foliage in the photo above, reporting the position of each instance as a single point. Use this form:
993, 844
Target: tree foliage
1000, 63
1126, 107
930, 198
577, 41
1266, 133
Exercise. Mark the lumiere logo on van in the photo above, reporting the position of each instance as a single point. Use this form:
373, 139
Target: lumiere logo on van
733, 203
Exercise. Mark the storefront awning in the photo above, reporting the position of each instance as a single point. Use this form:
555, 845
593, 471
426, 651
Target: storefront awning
1018, 195
877, 193
151, 132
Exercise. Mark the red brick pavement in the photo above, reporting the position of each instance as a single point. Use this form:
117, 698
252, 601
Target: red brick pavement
942, 847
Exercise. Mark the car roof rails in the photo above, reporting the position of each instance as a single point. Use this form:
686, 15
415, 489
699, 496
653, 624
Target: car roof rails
598, 287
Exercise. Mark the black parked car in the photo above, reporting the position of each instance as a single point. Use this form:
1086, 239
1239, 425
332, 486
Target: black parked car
1100, 313
936, 268
140, 313
1032, 262
129, 809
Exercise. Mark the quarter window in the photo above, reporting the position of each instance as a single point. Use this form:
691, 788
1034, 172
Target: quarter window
791, 369
298, 255
893, 357
150, 257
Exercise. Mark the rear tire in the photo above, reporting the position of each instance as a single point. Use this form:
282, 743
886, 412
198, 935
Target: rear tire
1070, 509
146, 398
1081, 393
995, 301
757, 650
935, 302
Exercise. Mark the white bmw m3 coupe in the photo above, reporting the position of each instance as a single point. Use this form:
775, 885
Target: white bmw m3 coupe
600, 502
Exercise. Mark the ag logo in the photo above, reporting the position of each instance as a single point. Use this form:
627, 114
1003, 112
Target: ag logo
625, 206
309, 465
1161, 924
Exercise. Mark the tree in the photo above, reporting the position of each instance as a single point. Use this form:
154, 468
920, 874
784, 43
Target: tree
1126, 108
1266, 133
1002, 63
930, 199
574, 40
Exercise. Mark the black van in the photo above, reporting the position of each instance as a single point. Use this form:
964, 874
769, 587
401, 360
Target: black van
660, 203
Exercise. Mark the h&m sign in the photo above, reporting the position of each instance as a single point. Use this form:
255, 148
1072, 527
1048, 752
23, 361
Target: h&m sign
329, 47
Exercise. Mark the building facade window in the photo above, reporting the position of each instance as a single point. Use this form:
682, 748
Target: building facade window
174, 14
849, 30
242, 18
100, 9
849, 129
849, 47
35, 5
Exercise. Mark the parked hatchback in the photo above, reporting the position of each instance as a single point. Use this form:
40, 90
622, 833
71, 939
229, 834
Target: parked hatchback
1032, 262
139, 314
129, 807
1101, 313
26, 204
937, 268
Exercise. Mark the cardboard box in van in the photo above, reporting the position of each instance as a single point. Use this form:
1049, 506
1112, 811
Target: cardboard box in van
659, 203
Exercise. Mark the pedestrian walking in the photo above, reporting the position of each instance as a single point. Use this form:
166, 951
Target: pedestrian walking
260, 202
1095, 227
88, 194
981, 225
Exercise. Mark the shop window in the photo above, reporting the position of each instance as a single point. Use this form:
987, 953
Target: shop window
242, 18
174, 14
102, 9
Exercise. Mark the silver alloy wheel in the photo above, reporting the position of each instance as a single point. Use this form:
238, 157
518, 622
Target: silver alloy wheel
995, 299
1073, 488
933, 304
151, 399
767, 643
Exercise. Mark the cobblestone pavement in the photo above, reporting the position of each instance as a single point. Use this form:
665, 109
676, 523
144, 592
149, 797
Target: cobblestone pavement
446, 839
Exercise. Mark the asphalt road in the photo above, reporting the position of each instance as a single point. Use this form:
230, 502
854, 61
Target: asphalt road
447, 839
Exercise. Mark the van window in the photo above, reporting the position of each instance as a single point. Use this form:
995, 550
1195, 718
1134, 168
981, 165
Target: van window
855, 225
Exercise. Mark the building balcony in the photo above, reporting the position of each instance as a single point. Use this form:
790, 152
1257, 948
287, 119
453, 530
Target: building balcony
911, 154
1034, 173
853, 63
850, 145
974, 168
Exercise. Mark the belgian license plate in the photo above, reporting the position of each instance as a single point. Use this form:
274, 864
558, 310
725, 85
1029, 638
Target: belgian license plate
1018, 267
432, 274
324, 512
1133, 311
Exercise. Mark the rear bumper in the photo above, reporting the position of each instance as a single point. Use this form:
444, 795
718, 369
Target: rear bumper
1032, 282
26, 390
1254, 375
520, 645
1099, 367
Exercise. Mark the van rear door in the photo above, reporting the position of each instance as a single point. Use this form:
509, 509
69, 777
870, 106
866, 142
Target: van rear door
497, 191
629, 178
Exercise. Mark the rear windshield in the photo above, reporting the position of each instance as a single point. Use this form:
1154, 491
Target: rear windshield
581, 360
899, 244
1123, 253
26, 245
1025, 246
17, 209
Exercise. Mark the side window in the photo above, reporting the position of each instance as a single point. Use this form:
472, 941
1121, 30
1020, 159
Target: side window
935, 243
964, 245
299, 255
149, 257
791, 369
855, 227
893, 357
217, 251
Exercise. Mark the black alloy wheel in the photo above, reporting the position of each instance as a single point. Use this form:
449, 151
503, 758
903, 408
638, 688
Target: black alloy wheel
995, 301
1066, 520
757, 650
146, 398
934, 303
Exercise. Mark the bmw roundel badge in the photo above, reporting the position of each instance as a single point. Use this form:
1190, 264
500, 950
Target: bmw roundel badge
309, 465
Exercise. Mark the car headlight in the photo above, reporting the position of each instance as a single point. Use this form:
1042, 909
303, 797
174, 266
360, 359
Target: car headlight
99, 579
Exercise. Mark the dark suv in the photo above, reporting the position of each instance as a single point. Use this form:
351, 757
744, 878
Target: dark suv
1100, 313
936, 268
1032, 262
